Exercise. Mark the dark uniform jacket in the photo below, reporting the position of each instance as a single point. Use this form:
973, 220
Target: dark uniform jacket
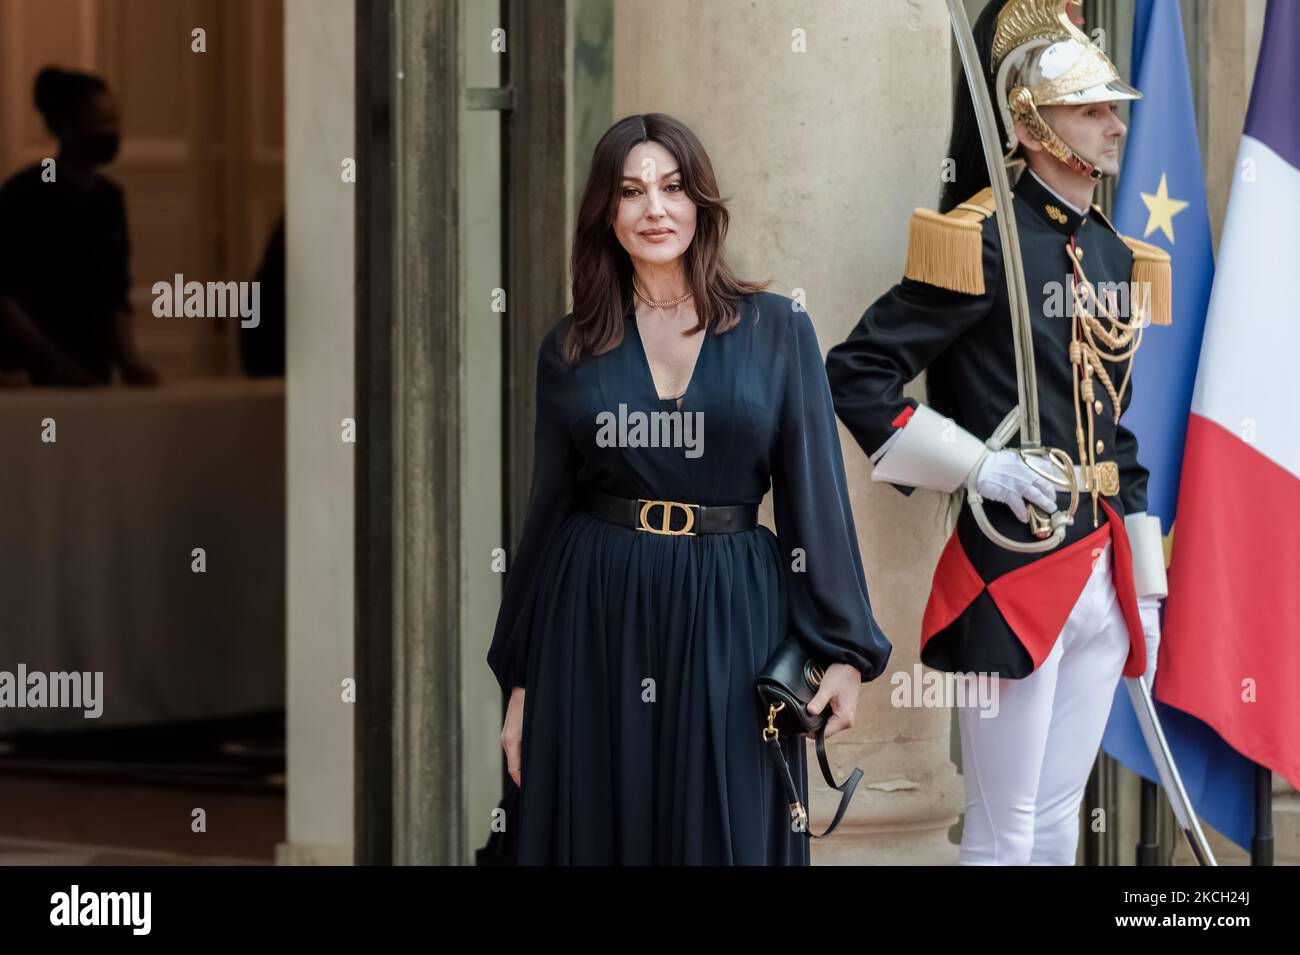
989, 609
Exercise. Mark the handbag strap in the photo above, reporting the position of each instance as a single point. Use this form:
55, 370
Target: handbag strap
797, 810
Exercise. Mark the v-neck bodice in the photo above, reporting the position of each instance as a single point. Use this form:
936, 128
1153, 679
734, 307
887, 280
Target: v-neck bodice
678, 400
756, 416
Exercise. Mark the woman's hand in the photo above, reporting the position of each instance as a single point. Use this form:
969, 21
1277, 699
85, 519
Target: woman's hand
839, 687
512, 734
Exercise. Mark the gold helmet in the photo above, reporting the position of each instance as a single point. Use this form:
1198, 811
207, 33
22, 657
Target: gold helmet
1040, 58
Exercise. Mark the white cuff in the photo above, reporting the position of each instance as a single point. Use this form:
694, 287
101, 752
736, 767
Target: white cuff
1147, 541
930, 451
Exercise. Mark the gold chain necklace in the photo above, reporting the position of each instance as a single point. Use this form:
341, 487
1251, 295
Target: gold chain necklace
666, 303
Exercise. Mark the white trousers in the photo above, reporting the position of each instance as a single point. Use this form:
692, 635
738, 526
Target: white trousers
1026, 768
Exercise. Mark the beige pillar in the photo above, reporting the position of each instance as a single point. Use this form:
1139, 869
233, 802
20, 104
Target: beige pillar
827, 123
319, 121
1232, 44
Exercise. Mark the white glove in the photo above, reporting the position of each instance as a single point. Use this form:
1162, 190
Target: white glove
1002, 476
1149, 611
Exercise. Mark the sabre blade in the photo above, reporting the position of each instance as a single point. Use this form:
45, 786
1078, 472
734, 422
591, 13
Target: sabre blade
1017, 298
1170, 781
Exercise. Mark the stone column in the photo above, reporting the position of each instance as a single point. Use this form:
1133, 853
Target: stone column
1232, 45
827, 124
319, 123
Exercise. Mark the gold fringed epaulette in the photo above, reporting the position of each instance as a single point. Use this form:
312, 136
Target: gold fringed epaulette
1152, 270
948, 250
1098, 214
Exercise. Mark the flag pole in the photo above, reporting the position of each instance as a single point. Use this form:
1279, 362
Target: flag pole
1261, 844
1148, 847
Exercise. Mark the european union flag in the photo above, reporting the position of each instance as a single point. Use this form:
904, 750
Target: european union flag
1161, 199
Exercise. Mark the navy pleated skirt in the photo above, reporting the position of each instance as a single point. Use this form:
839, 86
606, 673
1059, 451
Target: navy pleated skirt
642, 729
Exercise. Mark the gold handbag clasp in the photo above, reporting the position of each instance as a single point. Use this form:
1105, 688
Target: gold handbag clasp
771, 732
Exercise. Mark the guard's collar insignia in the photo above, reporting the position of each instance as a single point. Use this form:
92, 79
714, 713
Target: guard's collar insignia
1048, 207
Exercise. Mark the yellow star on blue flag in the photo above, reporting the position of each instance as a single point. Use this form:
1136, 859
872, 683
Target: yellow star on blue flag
1161, 210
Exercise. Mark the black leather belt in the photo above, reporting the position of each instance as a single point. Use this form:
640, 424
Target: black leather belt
672, 517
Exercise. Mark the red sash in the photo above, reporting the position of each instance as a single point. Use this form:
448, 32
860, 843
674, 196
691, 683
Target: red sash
1036, 599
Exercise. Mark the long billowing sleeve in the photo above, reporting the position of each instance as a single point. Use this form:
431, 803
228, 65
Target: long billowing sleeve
829, 607
555, 469
896, 339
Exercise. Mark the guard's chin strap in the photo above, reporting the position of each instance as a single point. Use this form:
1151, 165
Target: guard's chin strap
1083, 167
1025, 111
1058, 147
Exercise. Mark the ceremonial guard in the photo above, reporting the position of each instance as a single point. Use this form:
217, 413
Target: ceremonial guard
1055, 604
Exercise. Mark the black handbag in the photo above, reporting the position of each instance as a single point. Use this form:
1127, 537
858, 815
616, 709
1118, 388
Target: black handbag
502, 847
786, 687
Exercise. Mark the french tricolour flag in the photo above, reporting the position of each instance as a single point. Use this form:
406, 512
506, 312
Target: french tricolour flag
1233, 611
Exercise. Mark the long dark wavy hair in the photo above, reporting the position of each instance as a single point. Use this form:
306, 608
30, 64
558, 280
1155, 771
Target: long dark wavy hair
600, 266
964, 146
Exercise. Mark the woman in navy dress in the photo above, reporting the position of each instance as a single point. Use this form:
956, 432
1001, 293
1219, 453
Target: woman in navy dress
630, 654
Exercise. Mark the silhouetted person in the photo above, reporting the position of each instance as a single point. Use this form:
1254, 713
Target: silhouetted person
64, 315
261, 349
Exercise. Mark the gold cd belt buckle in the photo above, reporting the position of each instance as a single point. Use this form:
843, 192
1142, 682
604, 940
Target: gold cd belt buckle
666, 525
